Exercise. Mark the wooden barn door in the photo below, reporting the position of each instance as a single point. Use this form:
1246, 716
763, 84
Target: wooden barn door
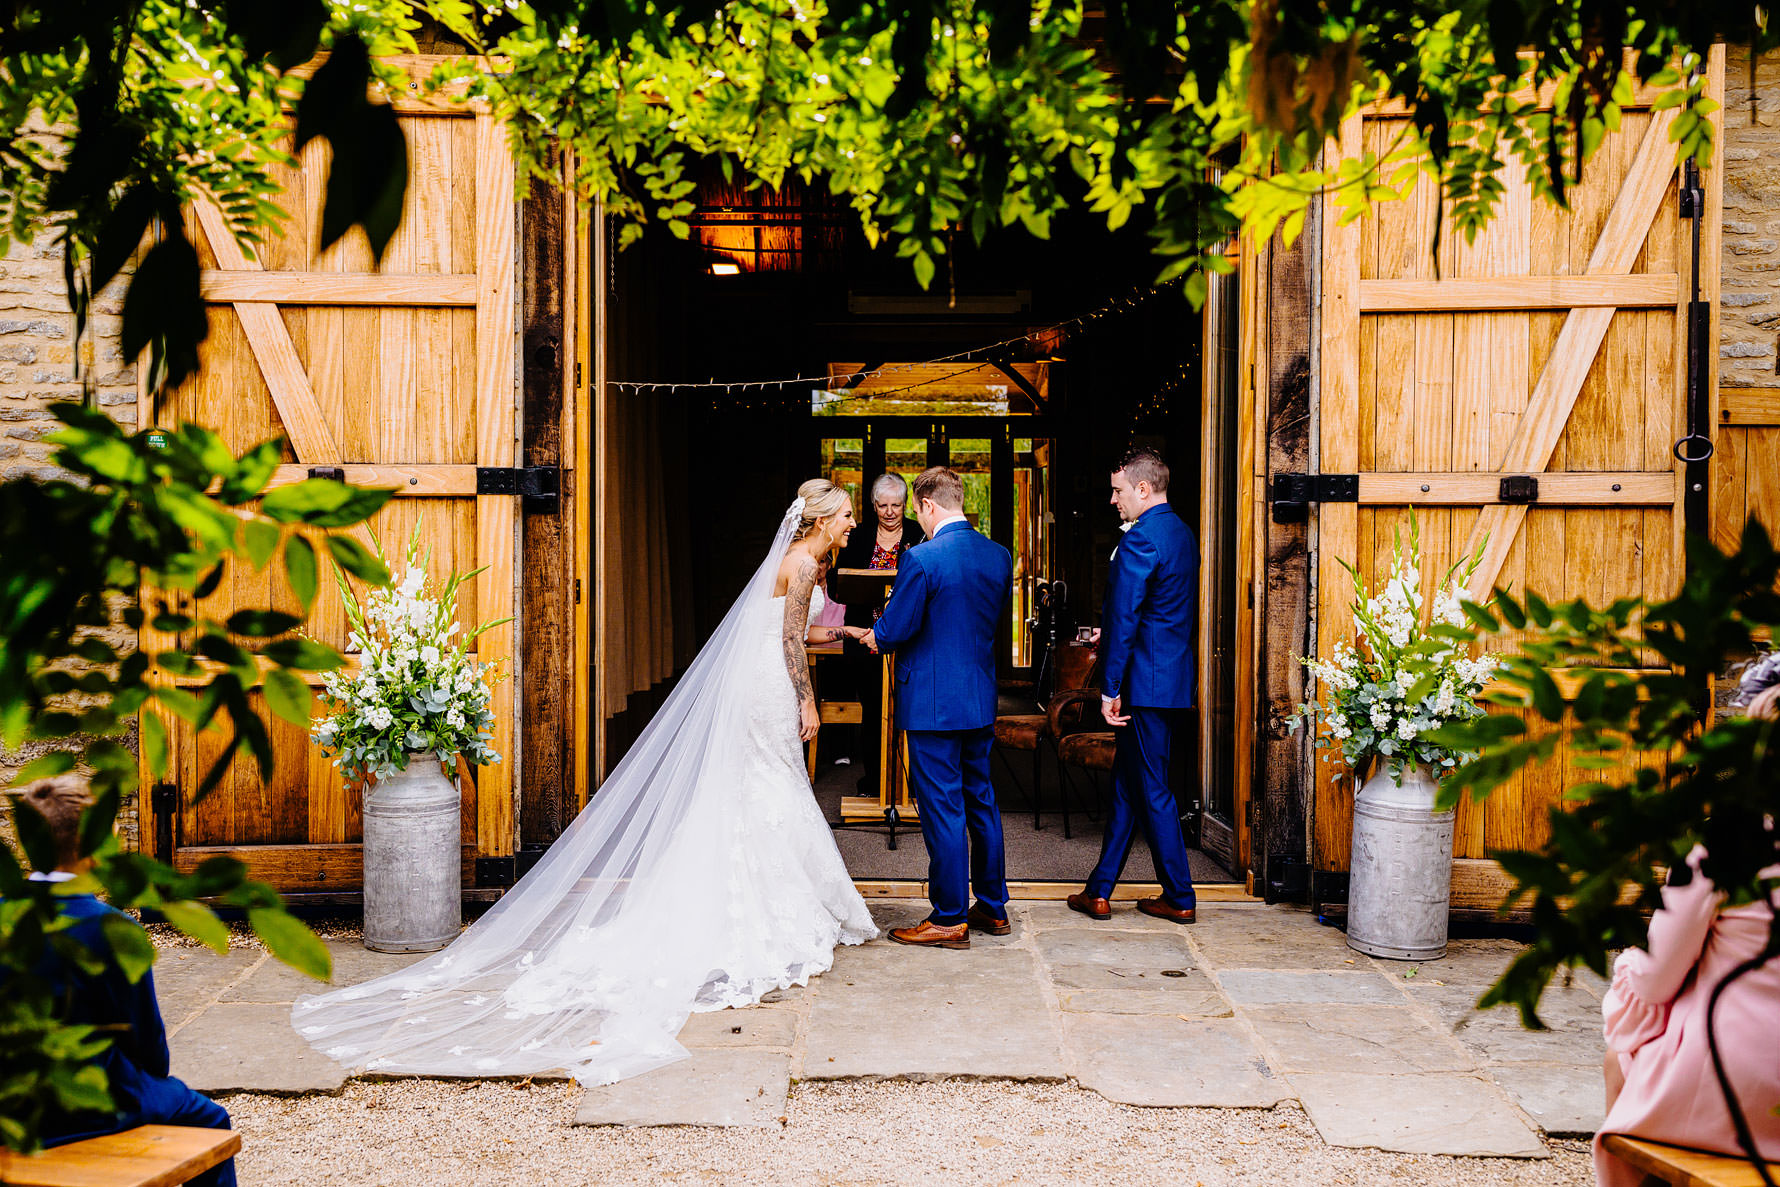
402, 376
1525, 396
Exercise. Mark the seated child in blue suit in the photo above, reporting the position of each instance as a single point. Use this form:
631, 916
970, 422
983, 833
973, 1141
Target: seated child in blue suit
137, 1062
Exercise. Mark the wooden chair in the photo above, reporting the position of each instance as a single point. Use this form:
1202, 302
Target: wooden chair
1683, 1167
1031, 731
147, 1156
1072, 720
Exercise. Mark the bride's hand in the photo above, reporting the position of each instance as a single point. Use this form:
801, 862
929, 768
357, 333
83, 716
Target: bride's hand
806, 729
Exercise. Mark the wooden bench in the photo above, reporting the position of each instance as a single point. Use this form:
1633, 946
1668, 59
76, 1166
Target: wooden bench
1682, 1167
147, 1156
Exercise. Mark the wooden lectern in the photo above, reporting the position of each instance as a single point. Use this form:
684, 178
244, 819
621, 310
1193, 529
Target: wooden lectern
892, 805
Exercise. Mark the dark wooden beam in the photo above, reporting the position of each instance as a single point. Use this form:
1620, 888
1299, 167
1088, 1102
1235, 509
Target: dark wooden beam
1283, 618
545, 694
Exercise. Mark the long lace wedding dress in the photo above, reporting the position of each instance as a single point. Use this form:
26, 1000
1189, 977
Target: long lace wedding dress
702, 875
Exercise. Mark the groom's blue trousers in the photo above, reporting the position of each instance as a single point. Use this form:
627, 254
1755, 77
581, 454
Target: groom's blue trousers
959, 820
1142, 798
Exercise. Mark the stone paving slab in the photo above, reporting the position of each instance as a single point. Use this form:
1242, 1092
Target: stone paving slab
1561, 1099
1097, 989
1113, 949
755, 1026
251, 1047
275, 981
1420, 1113
716, 1086
1384, 1039
1238, 937
189, 979
887, 1011
1172, 1062
1268, 987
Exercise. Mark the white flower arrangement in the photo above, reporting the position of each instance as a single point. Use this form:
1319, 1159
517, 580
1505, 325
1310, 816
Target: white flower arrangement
417, 690
1406, 675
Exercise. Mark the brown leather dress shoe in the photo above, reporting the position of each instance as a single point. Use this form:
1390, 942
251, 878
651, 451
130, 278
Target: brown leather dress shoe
1161, 908
980, 919
1087, 904
928, 934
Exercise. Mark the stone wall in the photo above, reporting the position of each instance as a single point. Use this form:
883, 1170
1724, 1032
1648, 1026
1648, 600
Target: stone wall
37, 369
1749, 315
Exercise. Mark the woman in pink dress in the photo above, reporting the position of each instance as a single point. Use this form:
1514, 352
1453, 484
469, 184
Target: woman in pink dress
1660, 1081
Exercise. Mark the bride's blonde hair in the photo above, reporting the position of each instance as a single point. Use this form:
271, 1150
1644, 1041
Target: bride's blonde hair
821, 498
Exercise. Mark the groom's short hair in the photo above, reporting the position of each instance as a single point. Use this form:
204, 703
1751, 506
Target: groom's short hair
942, 486
1145, 465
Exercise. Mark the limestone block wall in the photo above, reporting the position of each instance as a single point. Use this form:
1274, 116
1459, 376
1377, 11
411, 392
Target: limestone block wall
1746, 468
37, 369
1750, 300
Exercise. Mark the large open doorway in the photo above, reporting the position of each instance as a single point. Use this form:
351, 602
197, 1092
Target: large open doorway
781, 347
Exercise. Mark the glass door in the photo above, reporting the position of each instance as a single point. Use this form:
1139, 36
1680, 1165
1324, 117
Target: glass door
1007, 490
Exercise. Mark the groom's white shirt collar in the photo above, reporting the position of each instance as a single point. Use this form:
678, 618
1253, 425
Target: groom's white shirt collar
51, 876
944, 523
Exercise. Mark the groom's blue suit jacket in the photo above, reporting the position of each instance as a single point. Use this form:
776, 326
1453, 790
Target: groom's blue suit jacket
1152, 603
941, 621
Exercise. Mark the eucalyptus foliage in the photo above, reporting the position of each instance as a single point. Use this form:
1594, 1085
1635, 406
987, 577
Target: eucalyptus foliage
145, 528
1667, 773
417, 690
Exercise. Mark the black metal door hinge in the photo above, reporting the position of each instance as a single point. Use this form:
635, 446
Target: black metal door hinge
1518, 488
538, 487
164, 799
1292, 494
496, 872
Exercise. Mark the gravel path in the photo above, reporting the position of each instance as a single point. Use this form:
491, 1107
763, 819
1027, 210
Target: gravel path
434, 1133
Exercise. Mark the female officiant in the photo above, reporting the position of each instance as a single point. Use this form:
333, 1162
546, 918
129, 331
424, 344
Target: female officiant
880, 549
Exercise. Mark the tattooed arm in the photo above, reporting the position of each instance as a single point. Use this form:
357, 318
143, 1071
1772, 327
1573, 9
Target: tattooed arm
832, 634
797, 661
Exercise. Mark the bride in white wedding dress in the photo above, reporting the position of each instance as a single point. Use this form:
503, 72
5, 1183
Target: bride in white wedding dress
701, 875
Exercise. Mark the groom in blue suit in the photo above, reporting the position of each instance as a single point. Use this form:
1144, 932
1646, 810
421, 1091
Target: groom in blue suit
941, 619
1146, 645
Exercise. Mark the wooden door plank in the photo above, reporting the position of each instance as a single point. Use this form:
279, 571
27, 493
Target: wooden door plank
269, 339
1746, 406
496, 516
1635, 488
337, 288
1548, 410
1517, 291
1337, 524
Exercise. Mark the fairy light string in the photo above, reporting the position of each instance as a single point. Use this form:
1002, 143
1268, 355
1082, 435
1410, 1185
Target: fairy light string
1048, 337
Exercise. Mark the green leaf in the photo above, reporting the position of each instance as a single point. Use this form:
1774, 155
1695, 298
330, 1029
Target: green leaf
288, 696
358, 560
56, 762
197, 921
154, 743
299, 567
1546, 698
261, 623
261, 539
324, 503
130, 945
289, 940
303, 654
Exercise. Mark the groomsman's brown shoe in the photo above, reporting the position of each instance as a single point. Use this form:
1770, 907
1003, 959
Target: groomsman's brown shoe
1161, 908
980, 919
928, 934
1087, 904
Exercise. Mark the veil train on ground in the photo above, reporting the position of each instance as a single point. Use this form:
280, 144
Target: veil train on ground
652, 904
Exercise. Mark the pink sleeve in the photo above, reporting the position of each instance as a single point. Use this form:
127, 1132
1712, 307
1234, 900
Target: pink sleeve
1645, 980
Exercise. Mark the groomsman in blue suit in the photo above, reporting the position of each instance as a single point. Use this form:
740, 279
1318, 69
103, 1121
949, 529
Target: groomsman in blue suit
1146, 644
941, 619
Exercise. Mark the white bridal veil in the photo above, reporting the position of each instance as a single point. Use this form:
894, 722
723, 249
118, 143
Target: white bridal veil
592, 963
